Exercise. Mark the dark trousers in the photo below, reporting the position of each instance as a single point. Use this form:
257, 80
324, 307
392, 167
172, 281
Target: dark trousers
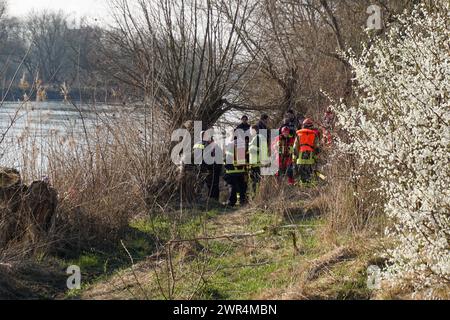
213, 180
255, 175
286, 171
305, 172
236, 184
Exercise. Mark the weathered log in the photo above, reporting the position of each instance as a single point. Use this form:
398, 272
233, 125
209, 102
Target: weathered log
21, 206
11, 189
40, 201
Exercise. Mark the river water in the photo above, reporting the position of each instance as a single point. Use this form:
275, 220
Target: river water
38, 123
28, 130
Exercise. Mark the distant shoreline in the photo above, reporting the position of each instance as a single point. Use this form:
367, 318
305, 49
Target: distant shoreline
87, 94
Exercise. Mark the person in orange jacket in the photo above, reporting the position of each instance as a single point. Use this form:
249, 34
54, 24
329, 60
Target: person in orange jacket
283, 148
306, 148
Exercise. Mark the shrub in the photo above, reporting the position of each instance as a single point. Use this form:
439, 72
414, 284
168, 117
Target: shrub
399, 127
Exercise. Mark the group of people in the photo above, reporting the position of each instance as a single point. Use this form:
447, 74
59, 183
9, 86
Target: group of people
295, 150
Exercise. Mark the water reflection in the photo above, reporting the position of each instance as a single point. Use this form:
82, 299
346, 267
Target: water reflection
29, 128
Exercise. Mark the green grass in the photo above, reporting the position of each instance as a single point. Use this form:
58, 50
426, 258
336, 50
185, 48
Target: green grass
88, 261
261, 220
140, 242
223, 269
163, 227
242, 277
239, 275
229, 271
239, 282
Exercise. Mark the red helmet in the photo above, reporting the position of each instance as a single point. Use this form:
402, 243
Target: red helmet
308, 122
285, 130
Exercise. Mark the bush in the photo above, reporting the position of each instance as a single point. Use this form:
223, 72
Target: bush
102, 180
399, 128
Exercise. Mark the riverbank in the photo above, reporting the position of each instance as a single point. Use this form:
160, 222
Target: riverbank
220, 253
54, 93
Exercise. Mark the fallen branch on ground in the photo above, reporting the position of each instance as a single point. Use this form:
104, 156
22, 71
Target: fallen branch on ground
333, 257
239, 235
229, 237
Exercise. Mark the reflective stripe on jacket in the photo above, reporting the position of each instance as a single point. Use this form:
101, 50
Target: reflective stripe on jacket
283, 149
238, 155
200, 146
305, 146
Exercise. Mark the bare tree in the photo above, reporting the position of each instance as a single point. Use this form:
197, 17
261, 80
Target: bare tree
2, 8
182, 61
297, 44
48, 32
2, 18
285, 37
185, 50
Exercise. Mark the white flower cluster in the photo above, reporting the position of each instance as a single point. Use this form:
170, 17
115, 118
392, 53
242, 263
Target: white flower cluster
400, 127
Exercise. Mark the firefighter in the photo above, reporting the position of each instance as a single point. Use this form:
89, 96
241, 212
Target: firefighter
263, 122
187, 170
290, 121
236, 171
209, 173
258, 155
306, 148
244, 125
283, 148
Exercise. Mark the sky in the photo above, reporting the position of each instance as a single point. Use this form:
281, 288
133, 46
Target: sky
93, 9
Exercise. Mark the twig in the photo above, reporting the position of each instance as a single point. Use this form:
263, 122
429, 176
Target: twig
246, 265
294, 242
171, 271
239, 235
229, 237
133, 272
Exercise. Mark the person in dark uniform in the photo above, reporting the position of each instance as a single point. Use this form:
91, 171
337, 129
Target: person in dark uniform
244, 125
290, 121
263, 122
209, 173
258, 144
300, 119
236, 172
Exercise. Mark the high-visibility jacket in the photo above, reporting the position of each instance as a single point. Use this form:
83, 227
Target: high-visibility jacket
292, 125
318, 133
283, 149
305, 146
200, 145
198, 157
259, 151
237, 153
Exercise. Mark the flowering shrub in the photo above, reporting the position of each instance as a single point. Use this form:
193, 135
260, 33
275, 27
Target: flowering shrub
399, 126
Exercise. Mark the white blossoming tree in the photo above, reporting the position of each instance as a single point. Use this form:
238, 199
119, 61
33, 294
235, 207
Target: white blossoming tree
399, 127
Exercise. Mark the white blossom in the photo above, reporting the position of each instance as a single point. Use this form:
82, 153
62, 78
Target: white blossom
399, 125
